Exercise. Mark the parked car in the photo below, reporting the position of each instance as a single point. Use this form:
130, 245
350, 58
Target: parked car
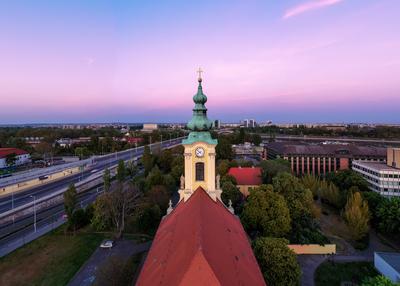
107, 244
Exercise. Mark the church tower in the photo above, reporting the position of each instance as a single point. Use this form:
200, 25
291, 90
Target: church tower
199, 152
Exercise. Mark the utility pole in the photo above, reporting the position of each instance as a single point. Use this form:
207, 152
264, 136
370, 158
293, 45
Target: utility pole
34, 211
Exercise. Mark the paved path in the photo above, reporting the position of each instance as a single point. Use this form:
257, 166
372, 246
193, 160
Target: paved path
124, 249
309, 263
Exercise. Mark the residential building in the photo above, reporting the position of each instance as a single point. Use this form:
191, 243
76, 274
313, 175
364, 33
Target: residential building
21, 157
246, 178
322, 158
217, 124
249, 123
383, 178
388, 264
200, 241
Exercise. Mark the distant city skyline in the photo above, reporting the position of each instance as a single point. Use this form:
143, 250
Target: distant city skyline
136, 61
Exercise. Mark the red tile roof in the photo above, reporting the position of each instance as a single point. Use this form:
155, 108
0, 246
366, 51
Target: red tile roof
7, 151
246, 176
200, 243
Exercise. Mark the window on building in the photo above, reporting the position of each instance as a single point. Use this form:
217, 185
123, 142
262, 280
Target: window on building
199, 171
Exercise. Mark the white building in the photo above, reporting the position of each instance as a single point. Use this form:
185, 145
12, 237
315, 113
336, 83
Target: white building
383, 178
388, 264
21, 157
249, 123
149, 127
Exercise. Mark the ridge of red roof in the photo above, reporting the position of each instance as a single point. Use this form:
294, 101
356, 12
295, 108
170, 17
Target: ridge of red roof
7, 151
246, 175
200, 243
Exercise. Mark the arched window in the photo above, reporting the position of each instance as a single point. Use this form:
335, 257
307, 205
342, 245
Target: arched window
199, 171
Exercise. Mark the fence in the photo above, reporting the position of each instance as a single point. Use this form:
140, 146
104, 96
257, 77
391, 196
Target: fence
313, 248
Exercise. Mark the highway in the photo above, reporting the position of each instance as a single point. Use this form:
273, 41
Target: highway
16, 199
24, 225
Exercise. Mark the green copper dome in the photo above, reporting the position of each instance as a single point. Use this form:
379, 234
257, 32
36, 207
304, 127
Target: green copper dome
200, 125
199, 121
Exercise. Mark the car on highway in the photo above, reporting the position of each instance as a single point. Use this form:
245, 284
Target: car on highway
108, 243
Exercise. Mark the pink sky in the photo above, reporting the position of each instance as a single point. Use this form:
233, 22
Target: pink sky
322, 60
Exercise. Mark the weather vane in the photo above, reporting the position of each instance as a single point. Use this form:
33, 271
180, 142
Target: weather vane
200, 71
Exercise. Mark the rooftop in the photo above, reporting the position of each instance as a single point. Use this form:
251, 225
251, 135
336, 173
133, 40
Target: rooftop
331, 149
377, 166
200, 243
250, 176
7, 151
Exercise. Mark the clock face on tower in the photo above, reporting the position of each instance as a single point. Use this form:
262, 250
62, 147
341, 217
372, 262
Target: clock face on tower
199, 152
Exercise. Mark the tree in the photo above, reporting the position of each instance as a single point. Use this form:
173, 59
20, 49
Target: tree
177, 167
223, 167
101, 213
82, 152
312, 183
388, 215
11, 159
147, 160
147, 217
70, 201
374, 201
256, 139
107, 180
242, 136
224, 149
331, 195
158, 195
155, 177
121, 172
379, 280
165, 159
277, 262
345, 179
266, 212
112, 209
231, 193
299, 200
271, 168
356, 216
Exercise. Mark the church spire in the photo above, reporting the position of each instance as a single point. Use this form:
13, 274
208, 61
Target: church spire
199, 121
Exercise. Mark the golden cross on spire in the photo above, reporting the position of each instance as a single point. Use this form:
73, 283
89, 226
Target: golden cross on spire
200, 71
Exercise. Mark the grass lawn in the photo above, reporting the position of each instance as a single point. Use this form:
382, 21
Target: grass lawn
50, 260
328, 274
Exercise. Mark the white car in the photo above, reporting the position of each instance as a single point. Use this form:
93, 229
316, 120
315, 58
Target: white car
107, 244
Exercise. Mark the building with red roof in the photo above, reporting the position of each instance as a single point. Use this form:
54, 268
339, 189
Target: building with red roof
21, 156
246, 178
201, 241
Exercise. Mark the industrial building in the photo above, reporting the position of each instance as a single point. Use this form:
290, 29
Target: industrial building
322, 159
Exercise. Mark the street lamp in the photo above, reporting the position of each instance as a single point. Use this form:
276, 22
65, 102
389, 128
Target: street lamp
34, 211
150, 144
